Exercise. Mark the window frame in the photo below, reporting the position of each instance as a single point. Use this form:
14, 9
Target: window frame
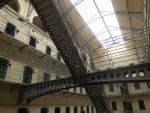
6, 30
27, 75
48, 50
32, 41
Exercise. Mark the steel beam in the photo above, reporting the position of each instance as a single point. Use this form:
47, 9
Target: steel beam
36, 90
135, 73
129, 74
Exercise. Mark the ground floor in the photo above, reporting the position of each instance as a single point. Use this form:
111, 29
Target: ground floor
67, 102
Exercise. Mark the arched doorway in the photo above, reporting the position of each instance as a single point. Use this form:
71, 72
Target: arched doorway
87, 109
67, 110
37, 22
75, 109
22, 110
44, 110
57, 109
92, 109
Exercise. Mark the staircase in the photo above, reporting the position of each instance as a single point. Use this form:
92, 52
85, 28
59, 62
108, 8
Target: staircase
50, 17
3, 3
98, 98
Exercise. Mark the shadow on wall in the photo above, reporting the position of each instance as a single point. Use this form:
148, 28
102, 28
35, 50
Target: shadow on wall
14, 5
37, 22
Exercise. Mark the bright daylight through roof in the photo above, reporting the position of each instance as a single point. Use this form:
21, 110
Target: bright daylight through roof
101, 18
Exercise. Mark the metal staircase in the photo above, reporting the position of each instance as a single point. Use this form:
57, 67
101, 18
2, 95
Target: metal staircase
98, 98
3, 3
49, 15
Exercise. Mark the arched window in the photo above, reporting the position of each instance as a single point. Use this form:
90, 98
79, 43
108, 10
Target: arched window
37, 22
57, 109
67, 110
75, 109
114, 106
22, 110
44, 110
141, 105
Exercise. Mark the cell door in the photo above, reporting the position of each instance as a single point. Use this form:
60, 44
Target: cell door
44, 110
22, 110
57, 110
3, 67
67, 110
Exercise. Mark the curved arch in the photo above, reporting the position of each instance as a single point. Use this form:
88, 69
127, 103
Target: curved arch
14, 5
37, 22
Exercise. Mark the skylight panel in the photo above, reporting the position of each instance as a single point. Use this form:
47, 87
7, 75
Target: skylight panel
99, 22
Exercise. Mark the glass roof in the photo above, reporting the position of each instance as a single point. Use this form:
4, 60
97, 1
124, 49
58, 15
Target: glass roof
101, 19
